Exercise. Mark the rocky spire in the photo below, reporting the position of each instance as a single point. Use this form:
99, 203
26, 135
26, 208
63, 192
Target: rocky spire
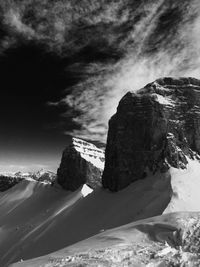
153, 129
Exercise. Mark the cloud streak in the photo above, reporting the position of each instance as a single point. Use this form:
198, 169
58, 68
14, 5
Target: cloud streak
112, 47
144, 60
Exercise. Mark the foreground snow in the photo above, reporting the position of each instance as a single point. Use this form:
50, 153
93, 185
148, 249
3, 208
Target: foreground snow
39, 219
156, 242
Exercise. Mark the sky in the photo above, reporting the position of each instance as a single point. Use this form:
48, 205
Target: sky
64, 66
30, 137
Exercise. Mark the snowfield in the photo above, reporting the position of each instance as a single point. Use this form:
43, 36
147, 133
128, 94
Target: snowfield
185, 187
155, 242
38, 219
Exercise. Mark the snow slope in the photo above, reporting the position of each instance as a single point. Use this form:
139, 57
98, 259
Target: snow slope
26, 210
40, 219
185, 187
167, 240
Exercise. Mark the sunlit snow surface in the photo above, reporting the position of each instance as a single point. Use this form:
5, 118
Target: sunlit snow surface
163, 241
86, 190
164, 100
185, 187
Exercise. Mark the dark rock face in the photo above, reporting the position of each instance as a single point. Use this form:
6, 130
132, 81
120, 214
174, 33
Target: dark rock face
43, 176
7, 182
47, 177
153, 129
81, 163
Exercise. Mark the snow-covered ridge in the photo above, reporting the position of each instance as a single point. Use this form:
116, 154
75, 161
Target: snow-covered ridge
40, 175
89, 152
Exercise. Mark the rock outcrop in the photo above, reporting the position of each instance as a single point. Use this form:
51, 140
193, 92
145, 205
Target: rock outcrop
43, 176
6, 182
81, 163
153, 129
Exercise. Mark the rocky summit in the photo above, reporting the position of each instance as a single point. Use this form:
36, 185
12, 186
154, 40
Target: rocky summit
81, 163
153, 129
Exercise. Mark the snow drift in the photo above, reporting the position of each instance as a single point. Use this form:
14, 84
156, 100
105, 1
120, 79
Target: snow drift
167, 240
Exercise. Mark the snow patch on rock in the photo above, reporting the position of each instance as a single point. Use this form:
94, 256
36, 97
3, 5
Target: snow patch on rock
164, 100
89, 152
86, 190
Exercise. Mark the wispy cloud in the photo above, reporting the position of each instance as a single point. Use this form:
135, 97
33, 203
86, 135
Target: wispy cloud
174, 53
13, 18
113, 47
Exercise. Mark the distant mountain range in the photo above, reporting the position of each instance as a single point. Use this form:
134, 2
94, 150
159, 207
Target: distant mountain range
9, 179
41, 175
35, 175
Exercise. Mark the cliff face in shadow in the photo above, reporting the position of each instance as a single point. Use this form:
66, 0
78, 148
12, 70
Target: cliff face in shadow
153, 129
81, 163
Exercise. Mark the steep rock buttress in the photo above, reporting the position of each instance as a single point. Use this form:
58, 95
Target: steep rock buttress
81, 163
153, 129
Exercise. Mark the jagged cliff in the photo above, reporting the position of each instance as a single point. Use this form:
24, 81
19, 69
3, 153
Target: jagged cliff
81, 163
153, 129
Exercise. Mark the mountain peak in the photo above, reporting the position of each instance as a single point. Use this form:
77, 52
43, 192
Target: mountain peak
153, 129
89, 152
81, 163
